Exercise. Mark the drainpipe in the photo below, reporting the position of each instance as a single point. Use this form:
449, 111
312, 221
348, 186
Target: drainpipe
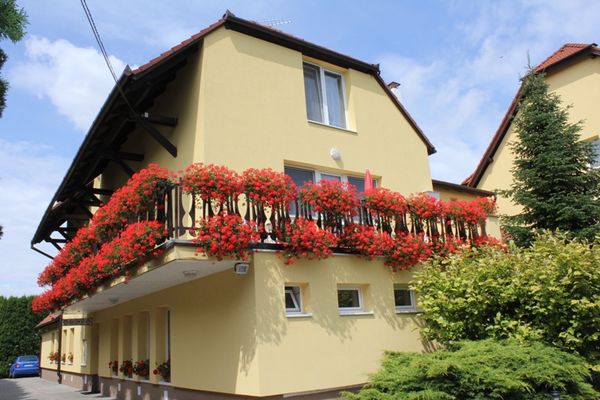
60, 326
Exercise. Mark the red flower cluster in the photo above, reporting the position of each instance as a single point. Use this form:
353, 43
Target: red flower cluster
386, 203
225, 236
142, 368
114, 366
211, 182
471, 212
127, 368
365, 240
164, 370
304, 239
424, 206
53, 356
268, 187
332, 198
137, 195
406, 251
134, 244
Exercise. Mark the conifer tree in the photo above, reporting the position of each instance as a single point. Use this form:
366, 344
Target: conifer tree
12, 26
552, 176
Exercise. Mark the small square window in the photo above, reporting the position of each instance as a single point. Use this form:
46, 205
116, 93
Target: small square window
404, 298
350, 299
293, 299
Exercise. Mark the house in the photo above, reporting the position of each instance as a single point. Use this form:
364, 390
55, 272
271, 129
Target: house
241, 95
573, 73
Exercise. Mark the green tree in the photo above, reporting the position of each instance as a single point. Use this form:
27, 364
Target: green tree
17, 333
552, 177
12, 26
480, 371
549, 292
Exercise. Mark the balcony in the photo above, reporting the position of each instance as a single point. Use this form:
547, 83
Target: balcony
221, 217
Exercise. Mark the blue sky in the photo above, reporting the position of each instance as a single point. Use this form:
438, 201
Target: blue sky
458, 63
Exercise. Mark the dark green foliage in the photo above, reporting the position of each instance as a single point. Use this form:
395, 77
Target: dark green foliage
552, 178
12, 26
548, 292
17, 334
480, 370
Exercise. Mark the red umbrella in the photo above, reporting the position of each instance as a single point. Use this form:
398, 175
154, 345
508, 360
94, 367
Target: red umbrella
368, 181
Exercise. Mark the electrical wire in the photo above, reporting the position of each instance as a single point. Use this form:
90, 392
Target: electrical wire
92, 23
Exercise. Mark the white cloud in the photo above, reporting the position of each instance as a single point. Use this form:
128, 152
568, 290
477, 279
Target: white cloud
29, 175
75, 79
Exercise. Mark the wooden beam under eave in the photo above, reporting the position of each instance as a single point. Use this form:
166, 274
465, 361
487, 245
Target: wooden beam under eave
124, 155
156, 135
160, 120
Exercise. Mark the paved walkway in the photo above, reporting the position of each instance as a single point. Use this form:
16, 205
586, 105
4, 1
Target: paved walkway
40, 389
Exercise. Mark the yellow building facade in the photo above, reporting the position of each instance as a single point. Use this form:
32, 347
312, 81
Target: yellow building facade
573, 73
236, 94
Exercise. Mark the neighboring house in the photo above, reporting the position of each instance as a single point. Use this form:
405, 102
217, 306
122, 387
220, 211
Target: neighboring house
242, 95
573, 73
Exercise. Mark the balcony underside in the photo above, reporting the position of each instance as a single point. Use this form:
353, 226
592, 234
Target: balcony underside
179, 264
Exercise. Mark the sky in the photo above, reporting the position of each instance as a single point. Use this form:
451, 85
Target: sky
458, 63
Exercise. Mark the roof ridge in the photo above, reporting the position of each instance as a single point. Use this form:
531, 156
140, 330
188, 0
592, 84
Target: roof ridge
562, 53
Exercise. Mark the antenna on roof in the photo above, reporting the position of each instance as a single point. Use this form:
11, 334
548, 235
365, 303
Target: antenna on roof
275, 22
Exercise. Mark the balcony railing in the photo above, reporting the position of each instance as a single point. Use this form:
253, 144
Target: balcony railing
181, 212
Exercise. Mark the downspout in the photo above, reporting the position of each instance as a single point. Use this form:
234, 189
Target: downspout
58, 370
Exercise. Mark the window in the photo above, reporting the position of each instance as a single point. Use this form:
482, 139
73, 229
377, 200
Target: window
350, 299
596, 146
301, 175
324, 102
404, 298
293, 299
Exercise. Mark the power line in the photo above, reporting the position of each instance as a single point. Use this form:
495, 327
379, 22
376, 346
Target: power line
90, 19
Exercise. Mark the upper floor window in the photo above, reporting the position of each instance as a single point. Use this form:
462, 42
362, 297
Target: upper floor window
324, 96
596, 145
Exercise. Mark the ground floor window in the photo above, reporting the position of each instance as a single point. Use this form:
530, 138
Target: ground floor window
350, 299
293, 299
404, 298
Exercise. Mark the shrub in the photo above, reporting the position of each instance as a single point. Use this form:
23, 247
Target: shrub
549, 292
480, 370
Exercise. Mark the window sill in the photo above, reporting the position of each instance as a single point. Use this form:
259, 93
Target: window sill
409, 311
333, 127
299, 315
357, 312
83, 365
164, 383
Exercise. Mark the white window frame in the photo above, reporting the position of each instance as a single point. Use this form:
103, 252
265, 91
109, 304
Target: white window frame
410, 308
323, 94
593, 141
298, 301
351, 310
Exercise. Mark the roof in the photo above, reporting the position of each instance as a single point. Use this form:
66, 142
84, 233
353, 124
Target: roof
49, 320
462, 188
141, 86
569, 53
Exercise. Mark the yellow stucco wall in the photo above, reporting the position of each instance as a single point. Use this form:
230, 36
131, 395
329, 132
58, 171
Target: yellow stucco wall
230, 333
253, 114
212, 333
326, 350
579, 86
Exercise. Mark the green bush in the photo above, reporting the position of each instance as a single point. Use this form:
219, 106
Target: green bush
549, 292
480, 370
17, 333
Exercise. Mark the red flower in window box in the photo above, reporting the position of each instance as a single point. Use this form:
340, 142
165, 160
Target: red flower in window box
164, 370
305, 239
211, 182
268, 187
225, 236
386, 203
366, 240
